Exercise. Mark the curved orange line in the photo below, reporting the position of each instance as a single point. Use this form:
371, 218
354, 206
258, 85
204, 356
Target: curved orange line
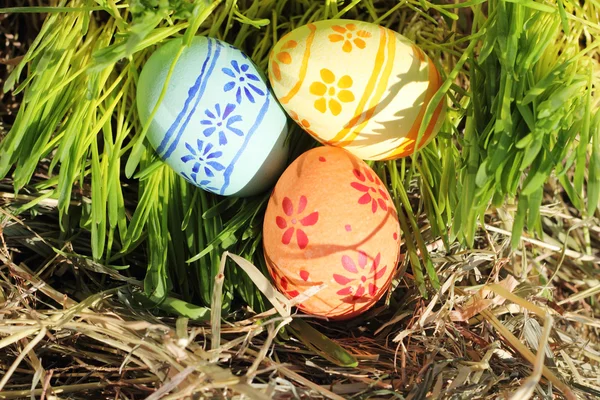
303, 68
358, 114
382, 87
409, 144
419, 53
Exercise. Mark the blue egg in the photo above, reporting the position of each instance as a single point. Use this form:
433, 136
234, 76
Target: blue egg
219, 126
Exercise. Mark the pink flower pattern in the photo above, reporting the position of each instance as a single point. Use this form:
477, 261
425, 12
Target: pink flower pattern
290, 222
372, 188
363, 282
285, 284
304, 275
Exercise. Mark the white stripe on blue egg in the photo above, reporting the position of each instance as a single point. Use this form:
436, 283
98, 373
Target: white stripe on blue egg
218, 125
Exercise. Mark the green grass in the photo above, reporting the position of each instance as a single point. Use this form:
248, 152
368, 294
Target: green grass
531, 117
523, 107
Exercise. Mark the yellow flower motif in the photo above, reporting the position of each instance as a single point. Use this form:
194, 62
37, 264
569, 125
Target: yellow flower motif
326, 90
346, 34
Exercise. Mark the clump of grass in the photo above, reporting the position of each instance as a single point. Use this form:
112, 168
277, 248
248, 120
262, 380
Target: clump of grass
78, 114
533, 112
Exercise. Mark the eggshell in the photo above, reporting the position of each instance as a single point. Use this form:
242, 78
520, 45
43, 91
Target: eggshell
218, 125
356, 85
330, 220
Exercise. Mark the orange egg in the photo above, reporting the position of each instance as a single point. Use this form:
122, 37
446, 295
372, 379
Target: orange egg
330, 221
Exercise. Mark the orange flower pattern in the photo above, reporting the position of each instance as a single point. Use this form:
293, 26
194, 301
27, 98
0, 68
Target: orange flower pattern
331, 94
282, 57
302, 122
349, 36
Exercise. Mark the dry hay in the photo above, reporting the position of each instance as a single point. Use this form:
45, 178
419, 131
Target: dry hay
468, 341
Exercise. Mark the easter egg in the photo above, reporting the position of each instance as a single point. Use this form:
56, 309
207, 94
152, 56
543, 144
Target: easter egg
356, 85
330, 221
218, 124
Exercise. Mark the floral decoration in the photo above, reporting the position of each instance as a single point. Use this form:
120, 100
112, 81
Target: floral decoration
283, 57
221, 122
242, 82
372, 188
359, 282
302, 122
293, 222
331, 94
349, 35
202, 158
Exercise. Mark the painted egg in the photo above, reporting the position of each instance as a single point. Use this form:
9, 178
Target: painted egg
356, 85
218, 125
330, 221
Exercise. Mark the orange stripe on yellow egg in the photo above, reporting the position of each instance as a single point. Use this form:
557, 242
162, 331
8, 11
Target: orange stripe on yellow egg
303, 68
419, 53
409, 143
358, 114
382, 87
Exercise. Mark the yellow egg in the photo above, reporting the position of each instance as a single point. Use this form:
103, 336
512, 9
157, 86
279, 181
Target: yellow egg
356, 85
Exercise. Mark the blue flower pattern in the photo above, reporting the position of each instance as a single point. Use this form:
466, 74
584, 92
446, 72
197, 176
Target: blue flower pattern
206, 160
202, 158
220, 121
242, 82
